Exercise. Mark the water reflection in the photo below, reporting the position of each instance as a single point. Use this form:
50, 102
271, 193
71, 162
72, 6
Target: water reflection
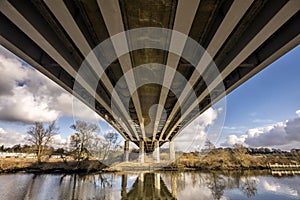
147, 186
167, 185
209, 185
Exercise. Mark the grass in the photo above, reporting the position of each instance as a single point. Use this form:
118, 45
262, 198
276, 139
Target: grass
8, 165
224, 159
218, 159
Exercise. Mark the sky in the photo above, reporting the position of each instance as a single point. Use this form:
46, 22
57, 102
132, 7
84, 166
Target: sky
262, 112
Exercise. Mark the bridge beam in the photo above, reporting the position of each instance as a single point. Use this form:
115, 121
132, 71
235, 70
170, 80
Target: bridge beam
242, 37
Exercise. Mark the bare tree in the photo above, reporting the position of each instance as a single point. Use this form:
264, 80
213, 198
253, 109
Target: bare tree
40, 137
103, 146
111, 143
82, 139
208, 146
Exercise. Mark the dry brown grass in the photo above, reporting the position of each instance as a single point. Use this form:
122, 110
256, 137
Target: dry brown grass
10, 163
222, 159
49, 165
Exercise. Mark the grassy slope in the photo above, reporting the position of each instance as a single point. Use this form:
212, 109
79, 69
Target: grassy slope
223, 159
51, 165
218, 159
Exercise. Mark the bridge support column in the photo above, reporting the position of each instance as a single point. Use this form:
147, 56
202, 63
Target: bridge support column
172, 150
124, 186
142, 152
156, 153
126, 151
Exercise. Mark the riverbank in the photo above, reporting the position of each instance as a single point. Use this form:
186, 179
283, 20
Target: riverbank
234, 159
13, 165
217, 160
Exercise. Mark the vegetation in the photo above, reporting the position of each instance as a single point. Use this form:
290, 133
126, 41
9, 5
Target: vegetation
40, 137
86, 142
83, 153
238, 157
53, 165
82, 139
87, 148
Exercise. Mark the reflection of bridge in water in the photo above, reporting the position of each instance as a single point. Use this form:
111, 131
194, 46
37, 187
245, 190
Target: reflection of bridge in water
149, 186
171, 185
165, 185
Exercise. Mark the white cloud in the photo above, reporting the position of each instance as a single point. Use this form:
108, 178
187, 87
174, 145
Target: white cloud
23, 106
9, 138
233, 139
263, 121
298, 113
234, 129
27, 96
280, 134
193, 136
59, 142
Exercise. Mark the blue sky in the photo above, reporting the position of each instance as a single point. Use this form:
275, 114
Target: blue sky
271, 95
263, 106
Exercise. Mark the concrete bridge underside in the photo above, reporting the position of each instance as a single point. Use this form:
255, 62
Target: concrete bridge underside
242, 37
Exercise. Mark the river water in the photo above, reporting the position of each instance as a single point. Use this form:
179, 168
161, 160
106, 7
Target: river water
166, 185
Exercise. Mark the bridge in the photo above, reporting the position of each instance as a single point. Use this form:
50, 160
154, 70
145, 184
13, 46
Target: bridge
149, 68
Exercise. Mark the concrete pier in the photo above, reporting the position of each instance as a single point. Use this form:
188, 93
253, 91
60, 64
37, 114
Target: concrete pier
58, 45
126, 151
172, 150
142, 152
156, 153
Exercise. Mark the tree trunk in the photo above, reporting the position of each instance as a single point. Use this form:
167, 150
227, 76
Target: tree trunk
39, 154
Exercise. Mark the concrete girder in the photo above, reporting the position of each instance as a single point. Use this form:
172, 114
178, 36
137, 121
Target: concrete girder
65, 18
243, 37
11, 13
183, 21
233, 16
274, 24
114, 24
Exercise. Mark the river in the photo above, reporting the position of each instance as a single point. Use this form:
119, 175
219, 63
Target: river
164, 185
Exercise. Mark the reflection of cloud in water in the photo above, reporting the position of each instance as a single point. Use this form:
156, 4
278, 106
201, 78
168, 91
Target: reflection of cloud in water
167, 185
191, 185
216, 186
280, 187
